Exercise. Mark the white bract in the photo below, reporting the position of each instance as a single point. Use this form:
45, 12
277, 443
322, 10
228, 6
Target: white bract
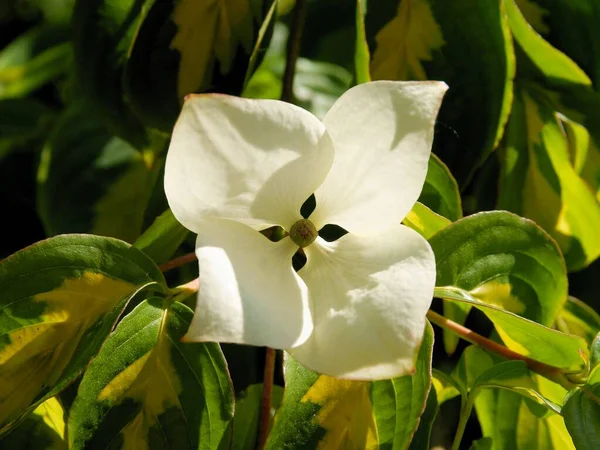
236, 166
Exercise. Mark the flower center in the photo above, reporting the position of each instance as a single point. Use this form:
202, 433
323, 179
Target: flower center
303, 233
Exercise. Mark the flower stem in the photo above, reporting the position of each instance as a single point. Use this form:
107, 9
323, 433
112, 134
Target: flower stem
177, 262
293, 50
264, 424
554, 373
465, 413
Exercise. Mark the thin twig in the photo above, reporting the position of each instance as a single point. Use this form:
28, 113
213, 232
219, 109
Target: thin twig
293, 50
264, 424
477, 339
177, 262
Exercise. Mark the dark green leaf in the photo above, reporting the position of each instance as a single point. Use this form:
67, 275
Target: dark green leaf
581, 413
247, 408
103, 33
440, 191
90, 181
465, 43
185, 46
32, 60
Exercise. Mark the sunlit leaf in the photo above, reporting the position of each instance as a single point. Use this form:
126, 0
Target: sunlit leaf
59, 300
321, 412
146, 389
423, 220
578, 318
477, 370
503, 260
566, 24
516, 409
538, 181
44, 428
526, 337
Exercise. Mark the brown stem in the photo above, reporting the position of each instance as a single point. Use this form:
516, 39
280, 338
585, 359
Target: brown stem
477, 339
264, 424
293, 50
177, 262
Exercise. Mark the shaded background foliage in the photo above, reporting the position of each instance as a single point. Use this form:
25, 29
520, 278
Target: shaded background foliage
86, 106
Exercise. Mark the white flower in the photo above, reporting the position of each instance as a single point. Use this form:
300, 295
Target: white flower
235, 166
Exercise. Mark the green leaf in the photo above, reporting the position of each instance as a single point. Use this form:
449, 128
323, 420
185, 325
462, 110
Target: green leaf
595, 351
44, 428
362, 55
543, 59
578, 318
477, 369
260, 46
503, 260
92, 182
512, 422
22, 120
485, 443
566, 352
324, 412
566, 24
581, 413
146, 389
446, 387
33, 59
103, 33
58, 302
399, 403
422, 437
521, 414
465, 43
163, 238
22, 117
189, 46
440, 191
424, 221
537, 179
247, 408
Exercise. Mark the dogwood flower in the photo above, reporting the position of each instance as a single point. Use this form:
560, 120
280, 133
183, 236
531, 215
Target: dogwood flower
236, 166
